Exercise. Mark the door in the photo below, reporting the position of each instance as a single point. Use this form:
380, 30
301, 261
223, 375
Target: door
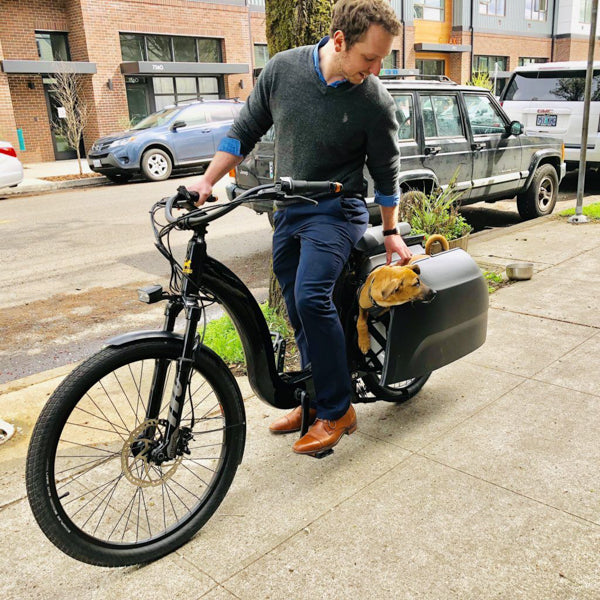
194, 141
138, 100
496, 155
62, 150
447, 150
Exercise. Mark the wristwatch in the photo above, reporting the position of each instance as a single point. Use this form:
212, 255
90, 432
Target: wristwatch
393, 231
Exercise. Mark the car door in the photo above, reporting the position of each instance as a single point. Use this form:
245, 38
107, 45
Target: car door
447, 149
193, 139
496, 155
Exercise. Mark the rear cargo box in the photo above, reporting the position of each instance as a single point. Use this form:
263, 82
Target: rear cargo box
424, 337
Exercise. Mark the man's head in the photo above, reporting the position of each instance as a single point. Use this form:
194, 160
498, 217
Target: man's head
362, 32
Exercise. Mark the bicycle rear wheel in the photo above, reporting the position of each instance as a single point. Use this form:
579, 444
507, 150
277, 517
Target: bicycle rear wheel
92, 487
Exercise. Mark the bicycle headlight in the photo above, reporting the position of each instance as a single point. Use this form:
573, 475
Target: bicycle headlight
150, 294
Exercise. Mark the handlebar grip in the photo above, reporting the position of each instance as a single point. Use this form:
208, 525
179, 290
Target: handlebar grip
299, 186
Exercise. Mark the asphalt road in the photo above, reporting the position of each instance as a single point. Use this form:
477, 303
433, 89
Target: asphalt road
72, 262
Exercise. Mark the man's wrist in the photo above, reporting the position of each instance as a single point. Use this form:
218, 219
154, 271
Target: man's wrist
391, 231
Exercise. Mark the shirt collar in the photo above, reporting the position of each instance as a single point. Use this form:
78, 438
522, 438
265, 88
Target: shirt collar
318, 68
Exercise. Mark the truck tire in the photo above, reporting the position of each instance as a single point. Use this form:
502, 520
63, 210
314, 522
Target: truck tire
540, 197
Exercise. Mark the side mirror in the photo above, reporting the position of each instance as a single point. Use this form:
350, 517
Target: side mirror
177, 125
515, 128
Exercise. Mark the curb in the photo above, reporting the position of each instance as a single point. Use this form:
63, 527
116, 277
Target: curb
36, 378
52, 186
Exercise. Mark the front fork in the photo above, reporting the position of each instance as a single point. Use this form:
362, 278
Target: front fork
167, 448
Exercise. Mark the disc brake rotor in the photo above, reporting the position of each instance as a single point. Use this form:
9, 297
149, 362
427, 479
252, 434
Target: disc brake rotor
137, 466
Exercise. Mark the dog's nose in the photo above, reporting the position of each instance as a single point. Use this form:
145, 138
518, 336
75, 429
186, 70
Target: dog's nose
430, 296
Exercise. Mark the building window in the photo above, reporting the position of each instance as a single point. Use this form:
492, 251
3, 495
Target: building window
261, 55
163, 48
585, 11
391, 60
536, 10
177, 90
492, 7
487, 64
429, 66
524, 60
429, 10
52, 46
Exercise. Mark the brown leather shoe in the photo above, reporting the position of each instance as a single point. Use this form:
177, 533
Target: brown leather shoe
292, 421
325, 434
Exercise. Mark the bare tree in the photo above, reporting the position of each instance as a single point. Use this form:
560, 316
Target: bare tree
72, 118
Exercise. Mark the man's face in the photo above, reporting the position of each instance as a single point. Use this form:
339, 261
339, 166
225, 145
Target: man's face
365, 56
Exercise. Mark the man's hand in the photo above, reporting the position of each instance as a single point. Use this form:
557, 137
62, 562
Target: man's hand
204, 189
395, 244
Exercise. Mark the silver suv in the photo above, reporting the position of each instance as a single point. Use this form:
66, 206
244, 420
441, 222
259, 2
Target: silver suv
444, 127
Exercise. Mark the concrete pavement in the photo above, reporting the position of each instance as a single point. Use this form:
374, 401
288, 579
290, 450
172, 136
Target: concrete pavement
485, 485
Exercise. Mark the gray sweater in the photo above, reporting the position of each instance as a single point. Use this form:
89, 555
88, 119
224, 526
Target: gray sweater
322, 132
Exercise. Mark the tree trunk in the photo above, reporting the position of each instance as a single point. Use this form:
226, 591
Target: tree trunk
292, 23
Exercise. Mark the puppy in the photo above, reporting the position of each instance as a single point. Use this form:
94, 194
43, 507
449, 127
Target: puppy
392, 285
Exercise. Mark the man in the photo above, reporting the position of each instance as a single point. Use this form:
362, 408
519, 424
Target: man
330, 113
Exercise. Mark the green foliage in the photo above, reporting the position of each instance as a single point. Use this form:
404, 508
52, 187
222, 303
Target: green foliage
592, 211
494, 280
222, 337
481, 79
293, 23
436, 212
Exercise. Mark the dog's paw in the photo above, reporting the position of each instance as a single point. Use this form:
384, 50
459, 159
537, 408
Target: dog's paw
364, 343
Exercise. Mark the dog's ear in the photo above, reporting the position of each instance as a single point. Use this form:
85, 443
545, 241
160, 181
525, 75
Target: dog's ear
393, 286
415, 268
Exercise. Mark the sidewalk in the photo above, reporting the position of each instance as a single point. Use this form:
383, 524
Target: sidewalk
485, 485
33, 182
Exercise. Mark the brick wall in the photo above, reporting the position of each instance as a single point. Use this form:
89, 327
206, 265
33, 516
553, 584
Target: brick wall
8, 127
570, 49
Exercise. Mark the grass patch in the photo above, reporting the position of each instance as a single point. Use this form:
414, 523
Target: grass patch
592, 211
494, 280
222, 337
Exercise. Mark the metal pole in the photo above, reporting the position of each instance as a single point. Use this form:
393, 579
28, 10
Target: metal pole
579, 217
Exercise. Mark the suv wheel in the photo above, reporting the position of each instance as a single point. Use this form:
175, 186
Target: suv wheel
156, 165
539, 199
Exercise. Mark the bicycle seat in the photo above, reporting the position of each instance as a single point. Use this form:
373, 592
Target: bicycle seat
373, 237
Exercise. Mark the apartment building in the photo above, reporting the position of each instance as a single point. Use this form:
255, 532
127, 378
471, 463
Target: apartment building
136, 56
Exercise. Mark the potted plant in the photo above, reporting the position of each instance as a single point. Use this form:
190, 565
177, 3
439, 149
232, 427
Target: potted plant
437, 212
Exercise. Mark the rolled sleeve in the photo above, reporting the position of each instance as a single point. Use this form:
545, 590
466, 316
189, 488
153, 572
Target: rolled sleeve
389, 200
231, 145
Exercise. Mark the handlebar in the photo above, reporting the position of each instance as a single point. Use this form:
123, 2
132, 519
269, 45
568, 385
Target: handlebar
284, 189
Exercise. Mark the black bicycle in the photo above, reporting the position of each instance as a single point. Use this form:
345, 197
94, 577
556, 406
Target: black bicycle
138, 446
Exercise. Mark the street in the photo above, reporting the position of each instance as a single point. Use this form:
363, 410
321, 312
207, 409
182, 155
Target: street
73, 261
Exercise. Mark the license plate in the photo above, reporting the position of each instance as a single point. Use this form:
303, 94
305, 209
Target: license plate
545, 121
96, 162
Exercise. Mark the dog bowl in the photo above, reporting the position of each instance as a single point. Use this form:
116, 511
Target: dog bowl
519, 271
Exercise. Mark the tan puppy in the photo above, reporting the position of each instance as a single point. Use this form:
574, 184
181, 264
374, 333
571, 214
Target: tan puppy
392, 285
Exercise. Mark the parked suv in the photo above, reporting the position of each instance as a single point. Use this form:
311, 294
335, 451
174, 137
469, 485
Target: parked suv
176, 137
444, 127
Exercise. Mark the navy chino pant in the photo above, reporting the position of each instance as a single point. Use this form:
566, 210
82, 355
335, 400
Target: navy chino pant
311, 245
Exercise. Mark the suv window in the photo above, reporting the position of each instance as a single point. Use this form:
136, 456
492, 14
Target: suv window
441, 117
483, 115
194, 115
221, 113
404, 116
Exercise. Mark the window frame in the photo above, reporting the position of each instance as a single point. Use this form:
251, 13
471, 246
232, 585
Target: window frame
171, 44
484, 8
493, 104
423, 4
432, 94
64, 35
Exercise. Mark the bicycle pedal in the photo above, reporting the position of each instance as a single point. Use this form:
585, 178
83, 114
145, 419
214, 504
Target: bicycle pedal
323, 453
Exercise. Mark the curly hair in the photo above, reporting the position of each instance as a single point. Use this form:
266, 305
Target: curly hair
354, 17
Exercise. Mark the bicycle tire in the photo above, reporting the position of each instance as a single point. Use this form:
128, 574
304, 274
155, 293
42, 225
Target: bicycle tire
398, 392
91, 490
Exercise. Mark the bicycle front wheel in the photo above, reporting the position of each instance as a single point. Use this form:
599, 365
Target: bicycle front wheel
93, 486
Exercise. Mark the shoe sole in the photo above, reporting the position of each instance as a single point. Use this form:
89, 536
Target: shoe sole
326, 448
